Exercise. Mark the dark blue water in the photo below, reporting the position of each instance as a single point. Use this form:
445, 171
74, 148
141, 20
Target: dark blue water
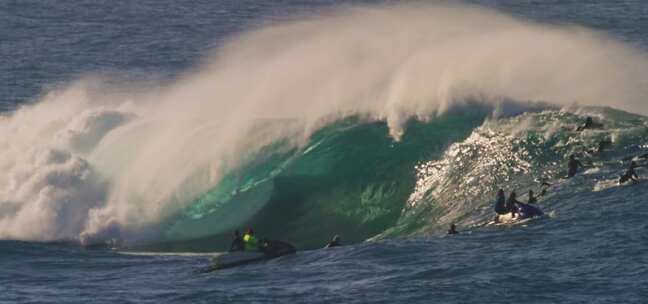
591, 248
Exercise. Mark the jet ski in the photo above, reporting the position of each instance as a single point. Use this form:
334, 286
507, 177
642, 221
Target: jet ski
269, 250
524, 211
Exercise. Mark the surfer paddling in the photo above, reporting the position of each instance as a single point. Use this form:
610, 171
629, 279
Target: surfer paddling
630, 174
572, 166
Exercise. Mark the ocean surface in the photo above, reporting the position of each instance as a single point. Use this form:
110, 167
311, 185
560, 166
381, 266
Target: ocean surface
135, 136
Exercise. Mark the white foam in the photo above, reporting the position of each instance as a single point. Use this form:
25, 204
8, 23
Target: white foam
84, 161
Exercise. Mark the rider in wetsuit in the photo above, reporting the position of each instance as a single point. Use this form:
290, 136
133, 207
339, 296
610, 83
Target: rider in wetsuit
237, 244
572, 166
532, 199
511, 203
500, 204
251, 243
589, 124
453, 229
630, 174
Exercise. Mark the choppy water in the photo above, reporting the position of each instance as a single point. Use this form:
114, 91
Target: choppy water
349, 178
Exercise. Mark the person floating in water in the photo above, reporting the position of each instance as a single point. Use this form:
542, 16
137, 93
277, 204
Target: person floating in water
237, 244
500, 204
251, 243
589, 124
572, 166
511, 203
630, 174
453, 229
334, 242
532, 199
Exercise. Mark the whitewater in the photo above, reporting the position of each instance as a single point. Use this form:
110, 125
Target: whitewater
164, 127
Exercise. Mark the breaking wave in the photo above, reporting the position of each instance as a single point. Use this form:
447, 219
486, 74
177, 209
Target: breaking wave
372, 121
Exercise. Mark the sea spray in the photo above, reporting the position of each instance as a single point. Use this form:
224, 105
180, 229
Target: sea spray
157, 151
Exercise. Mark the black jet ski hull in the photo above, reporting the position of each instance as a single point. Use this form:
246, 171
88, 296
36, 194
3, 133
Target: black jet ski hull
271, 250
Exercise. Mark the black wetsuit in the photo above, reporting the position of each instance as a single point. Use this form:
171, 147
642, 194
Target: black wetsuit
573, 167
628, 175
237, 244
500, 206
511, 205
587, 125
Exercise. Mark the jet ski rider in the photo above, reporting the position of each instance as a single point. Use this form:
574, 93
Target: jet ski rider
238, 244
251, 243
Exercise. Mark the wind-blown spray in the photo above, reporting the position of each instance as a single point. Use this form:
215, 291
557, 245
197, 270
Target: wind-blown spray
87, 164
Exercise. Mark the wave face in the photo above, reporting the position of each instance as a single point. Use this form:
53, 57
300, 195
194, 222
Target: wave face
353, 180
519, 153
350, 179
274, 106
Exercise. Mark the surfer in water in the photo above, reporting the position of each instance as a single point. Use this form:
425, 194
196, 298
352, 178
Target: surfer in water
589, 124
630, 174
500, 205
511, 203
572, 166
237, 244
453, 229
334, 242
532, 198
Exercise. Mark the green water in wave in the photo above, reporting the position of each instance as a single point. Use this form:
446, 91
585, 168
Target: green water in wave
352, 179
